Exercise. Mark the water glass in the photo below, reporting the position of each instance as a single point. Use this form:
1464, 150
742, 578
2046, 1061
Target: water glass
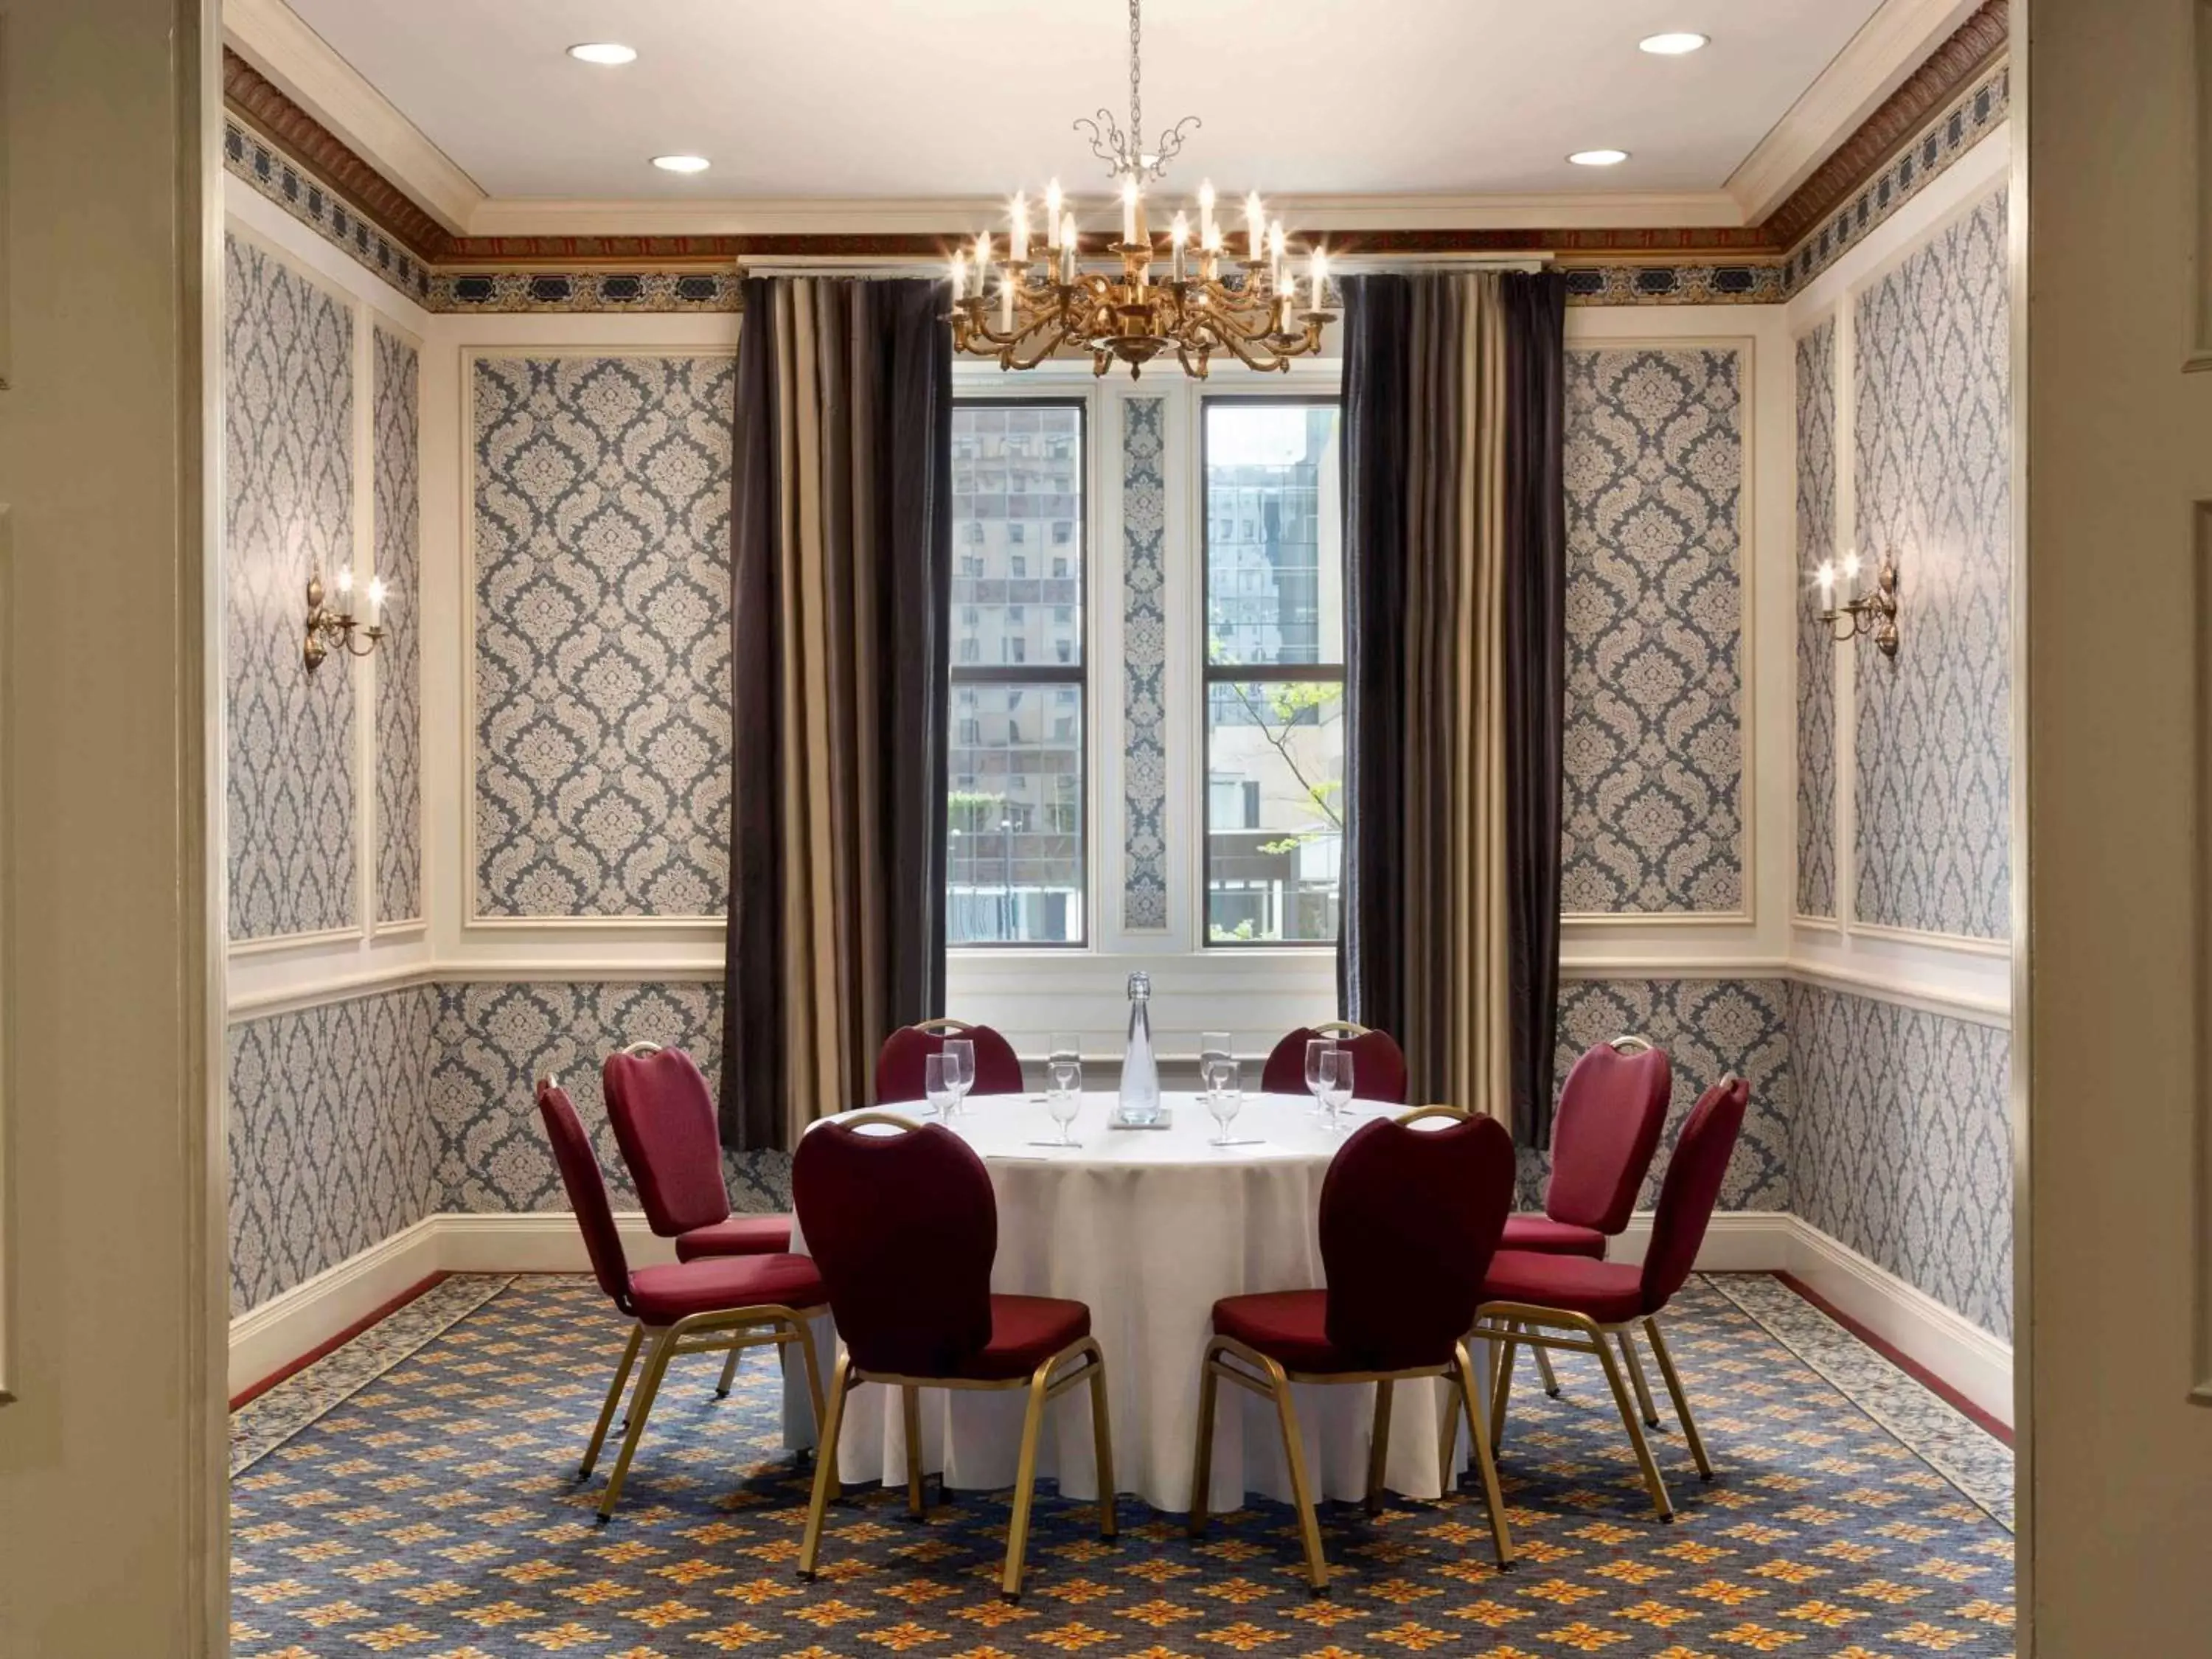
959, 1067
1336, 1086
1317, 1048
937, 1086
1063, 1048
1225, 1096
1066, 1098
1212, 1054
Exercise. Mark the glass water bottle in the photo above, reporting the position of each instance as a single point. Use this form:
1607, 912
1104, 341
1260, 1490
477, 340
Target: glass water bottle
1140, 1102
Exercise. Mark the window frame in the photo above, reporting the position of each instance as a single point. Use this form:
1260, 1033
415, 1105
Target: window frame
1211, 673
1047, 674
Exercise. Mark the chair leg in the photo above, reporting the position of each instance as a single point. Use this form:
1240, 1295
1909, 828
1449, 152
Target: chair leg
1378, 1445
1294, 1453
1201, 1471
614, 1396
729, 1375
1621, 1398
1543, 1369
805, 1345
640, 1405
1448, 1436
1675, 1392
910, 1409
1635, 1376
825, 1466
1018, 1529
1102, 1444
1500, 1535
1501, 1389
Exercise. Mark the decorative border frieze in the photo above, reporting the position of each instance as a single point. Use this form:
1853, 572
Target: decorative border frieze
598, 291
272, 173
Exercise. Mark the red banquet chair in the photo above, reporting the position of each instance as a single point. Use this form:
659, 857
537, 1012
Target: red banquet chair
705, 1306
905, 1227
1408, 1220
1612, 1110
663, 1123
1378, 1064
899, 1063
1574, 1303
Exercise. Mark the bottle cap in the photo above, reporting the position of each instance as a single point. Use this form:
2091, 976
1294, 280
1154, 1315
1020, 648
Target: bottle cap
1140, 986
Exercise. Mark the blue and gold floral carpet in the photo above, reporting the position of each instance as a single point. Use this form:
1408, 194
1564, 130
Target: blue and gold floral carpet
412, 1494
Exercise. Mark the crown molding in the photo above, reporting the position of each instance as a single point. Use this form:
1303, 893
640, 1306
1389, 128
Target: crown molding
269, 36
1890, 47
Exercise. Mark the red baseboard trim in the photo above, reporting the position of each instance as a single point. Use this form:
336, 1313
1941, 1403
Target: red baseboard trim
1904, 1361
256, 1390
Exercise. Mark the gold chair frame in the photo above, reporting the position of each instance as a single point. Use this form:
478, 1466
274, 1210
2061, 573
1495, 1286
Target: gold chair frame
1339, 1028
1270, 1380
1511, 1324
932, 1027
1043, 1388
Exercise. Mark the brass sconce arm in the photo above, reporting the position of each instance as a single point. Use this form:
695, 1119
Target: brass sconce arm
326, 626
1872, 615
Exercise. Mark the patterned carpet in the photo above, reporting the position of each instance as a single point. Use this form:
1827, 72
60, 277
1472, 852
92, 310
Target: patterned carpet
411, 1494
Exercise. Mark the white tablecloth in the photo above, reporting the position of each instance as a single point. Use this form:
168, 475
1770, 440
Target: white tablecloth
1150, 1228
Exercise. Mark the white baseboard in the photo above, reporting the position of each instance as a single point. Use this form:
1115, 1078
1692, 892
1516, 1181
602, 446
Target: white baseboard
1958, 1351
274, 1335
271, 1337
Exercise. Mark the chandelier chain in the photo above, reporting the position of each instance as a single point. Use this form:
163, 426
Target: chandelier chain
1136, 76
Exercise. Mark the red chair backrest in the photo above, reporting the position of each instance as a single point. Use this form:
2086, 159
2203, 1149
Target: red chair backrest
1409, 1219
1692, 1188
1378, 1066
904, 1228
663, 1121
587, 1190
899, 1063
1612, 1110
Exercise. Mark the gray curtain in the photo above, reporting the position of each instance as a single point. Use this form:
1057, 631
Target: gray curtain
1455, 558
842, 525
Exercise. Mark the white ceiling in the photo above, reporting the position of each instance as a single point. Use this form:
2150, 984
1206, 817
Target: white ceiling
895, 98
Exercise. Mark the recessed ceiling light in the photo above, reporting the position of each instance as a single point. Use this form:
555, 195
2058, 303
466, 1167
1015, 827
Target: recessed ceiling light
682, 163
1673, 44
1598, 158
609, 51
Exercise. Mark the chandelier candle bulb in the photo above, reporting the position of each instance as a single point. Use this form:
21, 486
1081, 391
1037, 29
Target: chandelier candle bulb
1007, 302
982, 260
1019, 241
1275, 254
1178, 236
1053, 238
1255, 222
959, 275
1205, 212
1128, 213
1067, 251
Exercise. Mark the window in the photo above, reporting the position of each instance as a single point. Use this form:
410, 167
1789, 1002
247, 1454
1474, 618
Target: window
1016, 857
1274, 671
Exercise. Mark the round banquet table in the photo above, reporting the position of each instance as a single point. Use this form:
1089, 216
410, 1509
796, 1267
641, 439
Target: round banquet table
1150, 1227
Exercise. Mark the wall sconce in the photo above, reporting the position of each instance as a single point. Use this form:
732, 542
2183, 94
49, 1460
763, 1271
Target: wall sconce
1873, 614
326, 623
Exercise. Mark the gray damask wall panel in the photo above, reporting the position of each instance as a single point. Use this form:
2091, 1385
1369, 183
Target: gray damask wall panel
395, 417
493, 1041
1143, 663
288, 512
1816, 650
1709, 1029
1654, 731
602, 593
1901, 1145
331, 1146
1933, 484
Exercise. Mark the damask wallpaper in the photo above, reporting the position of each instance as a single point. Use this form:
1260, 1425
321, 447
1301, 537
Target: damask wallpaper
332, 1148
1932, 472
394, 426
1901, 1145
1816, 650
493, 1041
602, 593
1709, 1029
288, 512
1655, 611
1143, 663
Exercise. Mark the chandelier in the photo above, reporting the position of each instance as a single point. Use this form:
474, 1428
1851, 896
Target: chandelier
1260, 313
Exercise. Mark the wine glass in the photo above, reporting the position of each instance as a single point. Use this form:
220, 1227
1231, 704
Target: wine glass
1336, 1086
1212, 1055
959, 1067
1225, 1096
1317, 1048
1066, 1099
937, 1085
